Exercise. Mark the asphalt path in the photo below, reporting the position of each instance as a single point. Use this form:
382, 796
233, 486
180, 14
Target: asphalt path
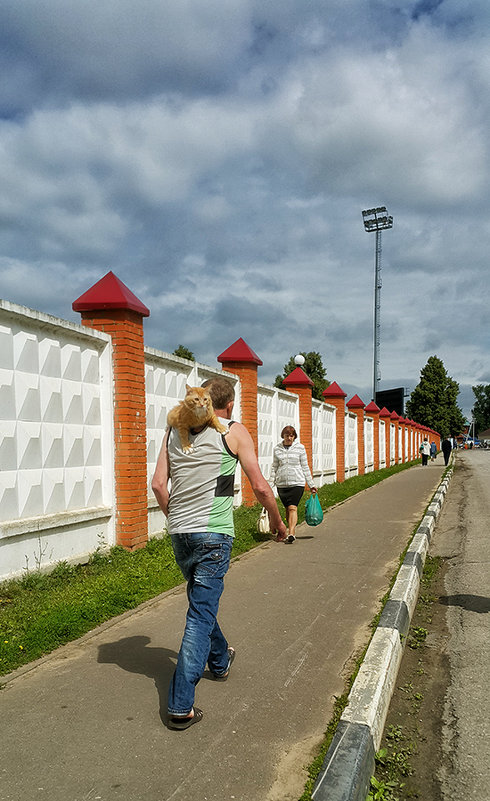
463, 538
87, 723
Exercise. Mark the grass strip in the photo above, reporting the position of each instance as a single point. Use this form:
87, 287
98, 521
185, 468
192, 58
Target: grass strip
392, 761
41, 611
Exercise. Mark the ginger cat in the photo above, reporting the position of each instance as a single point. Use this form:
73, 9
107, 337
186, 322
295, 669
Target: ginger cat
195, 411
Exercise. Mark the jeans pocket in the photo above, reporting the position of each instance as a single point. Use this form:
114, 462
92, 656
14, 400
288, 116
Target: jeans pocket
213, 559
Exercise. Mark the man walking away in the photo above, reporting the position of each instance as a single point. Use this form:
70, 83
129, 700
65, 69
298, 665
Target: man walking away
447, 447
199, 511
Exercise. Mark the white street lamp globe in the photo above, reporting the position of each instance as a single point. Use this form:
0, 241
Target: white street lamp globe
299, 360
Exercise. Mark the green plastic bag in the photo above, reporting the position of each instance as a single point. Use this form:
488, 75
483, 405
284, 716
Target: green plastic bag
313, 511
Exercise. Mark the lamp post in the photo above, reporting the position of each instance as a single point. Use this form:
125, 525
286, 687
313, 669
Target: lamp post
377, 220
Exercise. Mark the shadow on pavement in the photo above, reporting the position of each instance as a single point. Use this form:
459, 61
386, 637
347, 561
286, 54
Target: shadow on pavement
134, 655
472, 603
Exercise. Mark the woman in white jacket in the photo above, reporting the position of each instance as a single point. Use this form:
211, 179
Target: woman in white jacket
289, 472
425, 451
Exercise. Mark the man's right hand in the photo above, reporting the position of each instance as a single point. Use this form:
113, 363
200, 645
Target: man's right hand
280, 532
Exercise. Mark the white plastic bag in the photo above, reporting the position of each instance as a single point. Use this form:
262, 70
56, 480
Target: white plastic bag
263, 525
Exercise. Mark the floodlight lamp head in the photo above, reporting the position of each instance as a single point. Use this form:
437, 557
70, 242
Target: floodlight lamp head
377, 219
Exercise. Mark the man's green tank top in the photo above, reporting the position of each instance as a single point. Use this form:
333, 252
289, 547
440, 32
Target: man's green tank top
202, 483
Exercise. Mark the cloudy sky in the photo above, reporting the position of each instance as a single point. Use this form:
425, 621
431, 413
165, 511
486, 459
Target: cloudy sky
217, 156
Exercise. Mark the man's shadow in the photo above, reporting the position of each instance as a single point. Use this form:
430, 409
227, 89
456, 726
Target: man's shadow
134, 655
472, 603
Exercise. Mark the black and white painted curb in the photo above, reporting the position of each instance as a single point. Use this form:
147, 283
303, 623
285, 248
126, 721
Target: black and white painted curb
349, 762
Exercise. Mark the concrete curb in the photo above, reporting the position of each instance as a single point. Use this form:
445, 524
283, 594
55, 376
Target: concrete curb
349, 762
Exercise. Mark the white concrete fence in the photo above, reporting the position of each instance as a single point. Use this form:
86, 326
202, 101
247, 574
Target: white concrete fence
57, 436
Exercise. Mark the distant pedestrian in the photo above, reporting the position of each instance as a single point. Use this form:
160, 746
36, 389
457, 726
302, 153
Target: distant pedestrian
433, 451
447, 447
289, 473
425, 451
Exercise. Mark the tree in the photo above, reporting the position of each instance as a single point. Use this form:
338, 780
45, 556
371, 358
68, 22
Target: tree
433, 401
481, 409
184, 353
313, 368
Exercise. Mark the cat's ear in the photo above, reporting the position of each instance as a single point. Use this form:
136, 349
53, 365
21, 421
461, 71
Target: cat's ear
187, 388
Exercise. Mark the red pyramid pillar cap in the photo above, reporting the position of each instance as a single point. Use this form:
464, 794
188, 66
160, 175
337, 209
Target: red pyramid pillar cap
372, 408
355, 403
109, 293
394, 416
239, 352
298, 378
384, 412
334, 391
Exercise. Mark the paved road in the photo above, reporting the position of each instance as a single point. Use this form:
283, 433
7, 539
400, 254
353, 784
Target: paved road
463, 536
85, 724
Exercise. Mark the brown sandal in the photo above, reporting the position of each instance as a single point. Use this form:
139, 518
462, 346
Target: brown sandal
181, 723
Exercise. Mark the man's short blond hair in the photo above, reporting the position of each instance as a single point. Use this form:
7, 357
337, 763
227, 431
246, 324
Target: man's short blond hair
221, 390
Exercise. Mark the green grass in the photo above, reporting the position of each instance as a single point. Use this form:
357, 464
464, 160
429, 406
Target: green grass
42, 611
392, 762
393, 766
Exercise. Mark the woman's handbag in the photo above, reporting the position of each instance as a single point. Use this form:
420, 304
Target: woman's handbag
263, 525
313, 511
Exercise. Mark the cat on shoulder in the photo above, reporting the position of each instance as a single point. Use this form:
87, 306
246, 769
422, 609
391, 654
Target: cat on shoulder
194, 412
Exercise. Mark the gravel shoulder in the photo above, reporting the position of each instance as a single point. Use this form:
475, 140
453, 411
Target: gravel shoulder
412, 735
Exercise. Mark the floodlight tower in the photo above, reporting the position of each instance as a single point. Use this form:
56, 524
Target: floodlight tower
377, 220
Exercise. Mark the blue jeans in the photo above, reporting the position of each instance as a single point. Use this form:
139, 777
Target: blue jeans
204, 560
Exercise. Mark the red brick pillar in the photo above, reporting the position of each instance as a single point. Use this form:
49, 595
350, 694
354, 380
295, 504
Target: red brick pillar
372, 410
111, 307
385, 415
403, 425
336, 396
415, 447
395, 418
356, 406
411, 439
420, 437
299, 383
243, 362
